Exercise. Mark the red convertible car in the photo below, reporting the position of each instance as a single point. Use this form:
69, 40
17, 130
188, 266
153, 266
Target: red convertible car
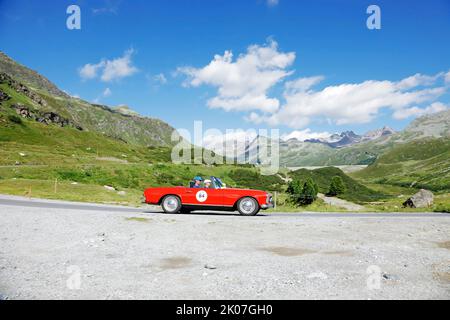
216, 197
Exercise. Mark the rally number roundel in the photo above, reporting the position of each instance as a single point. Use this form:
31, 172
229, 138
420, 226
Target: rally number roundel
201, 196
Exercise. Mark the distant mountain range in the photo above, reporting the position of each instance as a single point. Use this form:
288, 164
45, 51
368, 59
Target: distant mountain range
349, 148
348, 138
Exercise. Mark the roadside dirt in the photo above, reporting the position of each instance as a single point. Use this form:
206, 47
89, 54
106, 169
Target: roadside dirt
347, 205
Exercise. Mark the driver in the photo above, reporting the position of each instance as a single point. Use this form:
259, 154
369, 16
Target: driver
197, 182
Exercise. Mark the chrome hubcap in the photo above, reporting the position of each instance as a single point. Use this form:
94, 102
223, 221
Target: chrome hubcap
247, 206
171, 203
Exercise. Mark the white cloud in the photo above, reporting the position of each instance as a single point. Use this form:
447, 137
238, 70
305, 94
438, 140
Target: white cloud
418, 80
110, 6
107, 92
302, 84
243, 84
110, 70
447, 77
160, 78
348, 103
417, 112
228, 143
89, 71
272, 3
306, 134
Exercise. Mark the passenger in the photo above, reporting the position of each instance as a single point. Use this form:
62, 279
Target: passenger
197, 182
208, 184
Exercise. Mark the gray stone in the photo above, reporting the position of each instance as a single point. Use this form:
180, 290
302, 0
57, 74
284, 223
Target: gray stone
421, 199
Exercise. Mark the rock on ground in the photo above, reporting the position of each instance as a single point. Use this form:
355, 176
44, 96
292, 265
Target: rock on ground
422, 199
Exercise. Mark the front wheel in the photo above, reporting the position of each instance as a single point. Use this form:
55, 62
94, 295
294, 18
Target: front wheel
171, 204
248, 207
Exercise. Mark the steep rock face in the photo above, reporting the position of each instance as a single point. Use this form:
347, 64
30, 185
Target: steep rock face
43, 117
21, 88
4, 96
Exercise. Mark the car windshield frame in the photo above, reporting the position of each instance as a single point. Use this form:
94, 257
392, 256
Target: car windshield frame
217, 183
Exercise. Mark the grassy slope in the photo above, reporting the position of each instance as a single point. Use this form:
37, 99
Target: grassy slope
355, 191
420, 164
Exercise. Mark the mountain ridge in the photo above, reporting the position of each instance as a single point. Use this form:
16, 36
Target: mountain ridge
38, 94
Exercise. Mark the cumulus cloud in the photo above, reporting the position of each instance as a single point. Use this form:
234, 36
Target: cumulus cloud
349, 103
417, 112
243, 83
110, 70
272, 3
90, 71
306, 134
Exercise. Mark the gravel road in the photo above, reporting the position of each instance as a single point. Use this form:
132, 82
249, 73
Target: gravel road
59, 250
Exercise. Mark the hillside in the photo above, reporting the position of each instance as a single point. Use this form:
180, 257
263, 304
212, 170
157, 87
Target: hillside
421, 163
355, 191
28, 76
26, 89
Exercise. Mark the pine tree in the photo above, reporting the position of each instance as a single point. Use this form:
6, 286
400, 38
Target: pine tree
337, 186
309, 192
294, 189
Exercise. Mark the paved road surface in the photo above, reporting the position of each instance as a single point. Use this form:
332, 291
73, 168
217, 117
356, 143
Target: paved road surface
39, 203
59, 250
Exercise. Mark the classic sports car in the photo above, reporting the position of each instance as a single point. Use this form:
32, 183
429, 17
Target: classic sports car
216, 197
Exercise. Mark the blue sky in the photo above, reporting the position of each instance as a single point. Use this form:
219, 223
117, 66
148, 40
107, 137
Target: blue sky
314, 59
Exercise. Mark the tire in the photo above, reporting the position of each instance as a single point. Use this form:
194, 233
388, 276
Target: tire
248, 206
171, 204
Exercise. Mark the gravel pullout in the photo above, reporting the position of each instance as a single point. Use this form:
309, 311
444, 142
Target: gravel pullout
55, 253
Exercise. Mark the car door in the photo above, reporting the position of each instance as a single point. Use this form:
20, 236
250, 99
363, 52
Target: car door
203, 197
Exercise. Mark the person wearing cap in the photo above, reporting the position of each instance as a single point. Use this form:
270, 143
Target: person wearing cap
197, 182
207, 183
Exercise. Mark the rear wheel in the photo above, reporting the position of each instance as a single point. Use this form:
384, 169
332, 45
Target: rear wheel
248, 206
171, 204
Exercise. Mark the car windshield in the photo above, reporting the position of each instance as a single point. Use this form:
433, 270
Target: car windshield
217, 183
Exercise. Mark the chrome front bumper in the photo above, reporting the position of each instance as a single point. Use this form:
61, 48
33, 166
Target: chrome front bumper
267, 206
269, 203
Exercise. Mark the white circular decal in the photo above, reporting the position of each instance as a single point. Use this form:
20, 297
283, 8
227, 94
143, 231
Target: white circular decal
201, 196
